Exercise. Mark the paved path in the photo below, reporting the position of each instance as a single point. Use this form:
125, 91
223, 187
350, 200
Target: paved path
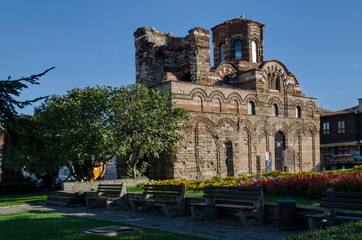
220, 229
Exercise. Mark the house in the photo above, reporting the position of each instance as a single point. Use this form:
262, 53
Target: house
340, 131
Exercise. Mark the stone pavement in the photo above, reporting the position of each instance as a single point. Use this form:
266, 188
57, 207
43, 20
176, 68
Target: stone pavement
219, 229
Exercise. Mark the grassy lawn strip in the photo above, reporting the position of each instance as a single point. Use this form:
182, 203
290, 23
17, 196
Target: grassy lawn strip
47, 226
346, 231
20, 199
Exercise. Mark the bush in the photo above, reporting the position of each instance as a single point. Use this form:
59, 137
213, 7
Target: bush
310, 185
19, 187
346, 231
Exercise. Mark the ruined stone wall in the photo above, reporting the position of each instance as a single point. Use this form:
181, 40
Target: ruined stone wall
162, 57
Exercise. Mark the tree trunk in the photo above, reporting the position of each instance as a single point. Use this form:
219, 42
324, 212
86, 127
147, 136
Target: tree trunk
133, 160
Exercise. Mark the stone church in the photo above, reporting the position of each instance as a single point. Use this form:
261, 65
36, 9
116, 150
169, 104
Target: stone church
248, 115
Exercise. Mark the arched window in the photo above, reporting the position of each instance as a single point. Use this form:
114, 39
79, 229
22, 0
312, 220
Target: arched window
251, 108
222, 52
274, 82
238, 50
275, 110
254, 51
298, 112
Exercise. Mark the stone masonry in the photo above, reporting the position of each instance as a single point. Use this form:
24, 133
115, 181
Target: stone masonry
242, 108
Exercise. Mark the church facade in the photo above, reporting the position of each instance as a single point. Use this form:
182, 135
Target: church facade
248, 115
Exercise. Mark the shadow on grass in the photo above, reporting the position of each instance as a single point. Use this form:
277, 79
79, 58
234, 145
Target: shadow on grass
46, 226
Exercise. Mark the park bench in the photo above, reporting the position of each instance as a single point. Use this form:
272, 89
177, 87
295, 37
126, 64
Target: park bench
170, 198
245, 202
113, 196
331, 201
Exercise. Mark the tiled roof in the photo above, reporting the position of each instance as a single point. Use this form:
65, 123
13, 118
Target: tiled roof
324, 112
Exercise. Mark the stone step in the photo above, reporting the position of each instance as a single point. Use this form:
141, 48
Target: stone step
61, 198
64, 193
53, 203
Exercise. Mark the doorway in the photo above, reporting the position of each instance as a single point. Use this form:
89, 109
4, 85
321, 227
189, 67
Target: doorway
278, 150
229, 158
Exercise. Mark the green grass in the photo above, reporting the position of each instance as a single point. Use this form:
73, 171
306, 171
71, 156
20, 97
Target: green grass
346, 231
20, 199
50, 226
300, 201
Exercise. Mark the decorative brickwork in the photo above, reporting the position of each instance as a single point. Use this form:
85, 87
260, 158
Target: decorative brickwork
241, 108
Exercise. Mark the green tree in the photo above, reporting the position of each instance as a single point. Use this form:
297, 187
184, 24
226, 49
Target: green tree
76, 129
30, 150
9, 90
145, 124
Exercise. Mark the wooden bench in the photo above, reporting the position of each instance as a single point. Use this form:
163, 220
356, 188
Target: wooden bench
113, 196
331, 201
245, 202
170, 198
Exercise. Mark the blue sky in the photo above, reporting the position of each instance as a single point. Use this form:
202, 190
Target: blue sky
90, 42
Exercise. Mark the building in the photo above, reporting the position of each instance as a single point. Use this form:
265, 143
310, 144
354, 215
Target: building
245, 111
340, 131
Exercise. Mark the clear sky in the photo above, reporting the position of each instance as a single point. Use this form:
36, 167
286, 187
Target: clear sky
90, 42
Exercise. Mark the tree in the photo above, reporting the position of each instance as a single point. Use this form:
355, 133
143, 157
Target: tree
9, 90
145, 124
12, 88
76, 130
30, 150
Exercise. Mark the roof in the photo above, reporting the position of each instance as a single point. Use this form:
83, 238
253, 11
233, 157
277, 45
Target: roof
325, 112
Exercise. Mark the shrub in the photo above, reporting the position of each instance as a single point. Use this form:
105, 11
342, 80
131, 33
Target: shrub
25, 186
346, 231
310, 185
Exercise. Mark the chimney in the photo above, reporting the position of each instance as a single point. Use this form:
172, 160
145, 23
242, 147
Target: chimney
360, 104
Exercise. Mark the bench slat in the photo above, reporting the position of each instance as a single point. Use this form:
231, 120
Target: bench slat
345, 194
233, 188
341, 199
341, 205
334, 217
233, 197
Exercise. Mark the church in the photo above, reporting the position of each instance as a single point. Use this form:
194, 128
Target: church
249, 115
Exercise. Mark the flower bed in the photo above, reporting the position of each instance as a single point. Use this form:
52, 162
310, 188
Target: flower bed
301, 184
310, 186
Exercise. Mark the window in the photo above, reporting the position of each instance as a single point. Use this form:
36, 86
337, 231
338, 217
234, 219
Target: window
251, 108
275, 111
341, 127
325, 128
274, 82
254, 52
222, 52
298, 112
238, 49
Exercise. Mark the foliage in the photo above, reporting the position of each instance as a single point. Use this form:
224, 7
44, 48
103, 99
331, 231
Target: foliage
301, 184
30, 150
346, 231
18, 187
75, 130
12, 88
199, 184
310, 186
20, 199
145, 123
46, 226
9, 119
89, 126
141, 170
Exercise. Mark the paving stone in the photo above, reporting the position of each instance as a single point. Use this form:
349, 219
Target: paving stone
220, 229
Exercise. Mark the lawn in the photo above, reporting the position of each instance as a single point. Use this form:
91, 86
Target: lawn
47, 226
20, 199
